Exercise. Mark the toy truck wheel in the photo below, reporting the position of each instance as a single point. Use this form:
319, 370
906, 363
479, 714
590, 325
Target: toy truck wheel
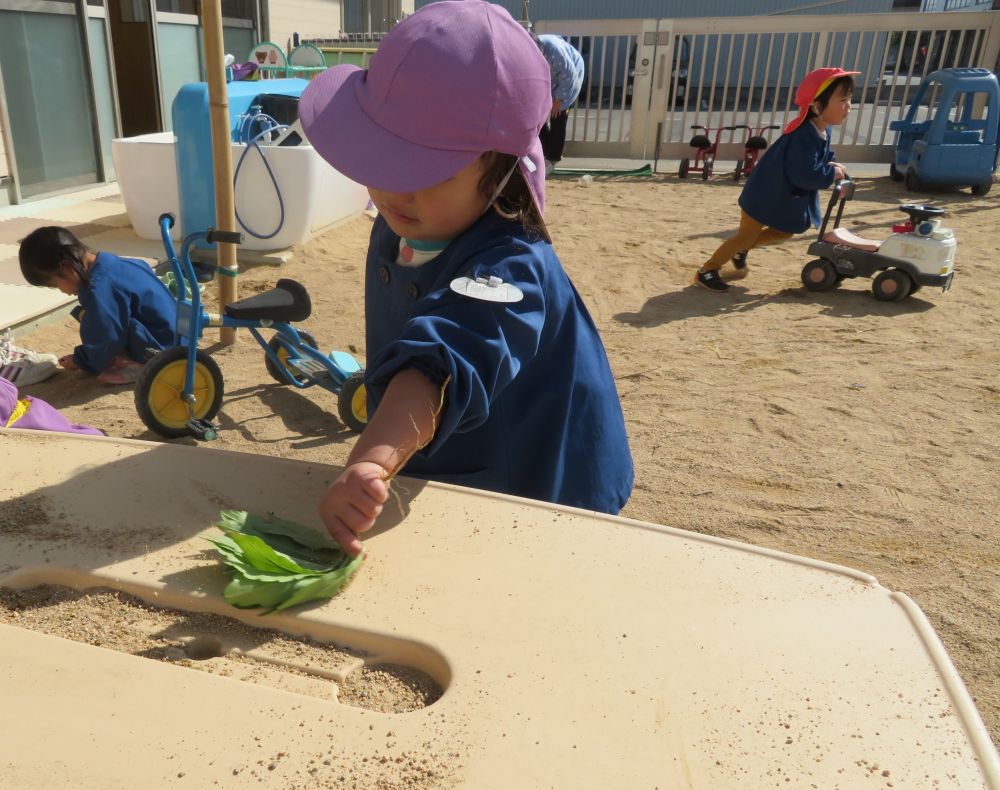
981, 189
277, 373
912, 182
685, 168
894, 174
352, 402
819, 275
892, 285
159, 393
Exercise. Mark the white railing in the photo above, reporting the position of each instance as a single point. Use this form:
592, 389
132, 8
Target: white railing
666, 75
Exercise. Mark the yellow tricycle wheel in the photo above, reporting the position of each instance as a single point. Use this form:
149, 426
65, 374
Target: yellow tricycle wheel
160, 390
352, 403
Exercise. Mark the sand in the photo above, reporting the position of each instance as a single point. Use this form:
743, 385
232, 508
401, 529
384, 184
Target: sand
829, 425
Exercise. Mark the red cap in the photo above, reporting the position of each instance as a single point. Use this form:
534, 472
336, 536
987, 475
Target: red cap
813, 85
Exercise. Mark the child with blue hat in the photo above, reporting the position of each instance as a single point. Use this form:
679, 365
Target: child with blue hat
484, 367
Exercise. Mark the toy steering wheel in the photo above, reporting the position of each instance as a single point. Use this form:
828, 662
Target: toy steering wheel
919, 213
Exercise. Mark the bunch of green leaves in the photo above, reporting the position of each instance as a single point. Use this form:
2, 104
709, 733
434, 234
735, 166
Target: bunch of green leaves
277, 563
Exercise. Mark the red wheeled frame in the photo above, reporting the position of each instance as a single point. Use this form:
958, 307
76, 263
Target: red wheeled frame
754, 148
706, 148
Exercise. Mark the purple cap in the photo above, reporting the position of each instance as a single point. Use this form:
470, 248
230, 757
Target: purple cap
453, 80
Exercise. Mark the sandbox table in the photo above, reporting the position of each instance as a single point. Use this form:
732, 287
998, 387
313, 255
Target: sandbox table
573, 649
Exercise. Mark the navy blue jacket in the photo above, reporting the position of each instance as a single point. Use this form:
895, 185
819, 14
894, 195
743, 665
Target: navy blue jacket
126, 309
782, 191
531, 408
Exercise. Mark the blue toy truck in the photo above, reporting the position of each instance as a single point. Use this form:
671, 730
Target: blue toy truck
955, 142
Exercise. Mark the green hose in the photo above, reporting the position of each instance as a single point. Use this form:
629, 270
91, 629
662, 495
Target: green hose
645, 170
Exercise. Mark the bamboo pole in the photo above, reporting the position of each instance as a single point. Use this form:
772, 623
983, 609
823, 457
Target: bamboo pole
222, 155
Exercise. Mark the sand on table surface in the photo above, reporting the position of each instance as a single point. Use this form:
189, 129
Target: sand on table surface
828, 425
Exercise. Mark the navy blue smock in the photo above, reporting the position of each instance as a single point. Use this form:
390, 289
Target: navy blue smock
531, 408
126, 309
782, 191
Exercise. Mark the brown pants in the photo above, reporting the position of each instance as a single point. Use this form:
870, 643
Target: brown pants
751, 234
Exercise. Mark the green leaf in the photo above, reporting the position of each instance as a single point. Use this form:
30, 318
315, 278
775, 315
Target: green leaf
276, 563
307, 547
258, 553
246, 594
272, 525
326, 586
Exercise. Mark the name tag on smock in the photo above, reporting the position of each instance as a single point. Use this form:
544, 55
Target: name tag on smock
491, 289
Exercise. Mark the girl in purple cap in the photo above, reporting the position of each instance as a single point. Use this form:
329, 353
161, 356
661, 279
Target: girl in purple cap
484, 368
781, 196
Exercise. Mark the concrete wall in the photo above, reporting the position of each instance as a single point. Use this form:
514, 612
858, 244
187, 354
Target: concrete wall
374, 16
308, 18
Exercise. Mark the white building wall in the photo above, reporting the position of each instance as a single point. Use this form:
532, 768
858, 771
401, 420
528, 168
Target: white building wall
308, 18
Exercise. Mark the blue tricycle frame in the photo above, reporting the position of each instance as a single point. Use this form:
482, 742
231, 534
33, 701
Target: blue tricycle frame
181, 387
948, 151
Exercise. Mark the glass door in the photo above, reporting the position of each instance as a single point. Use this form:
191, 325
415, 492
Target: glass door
48, 104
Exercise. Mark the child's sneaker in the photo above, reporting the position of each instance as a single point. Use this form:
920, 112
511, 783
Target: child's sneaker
740, 266
122, 370
711, 279
23, 367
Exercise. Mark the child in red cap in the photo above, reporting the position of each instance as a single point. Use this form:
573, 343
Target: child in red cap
781, 196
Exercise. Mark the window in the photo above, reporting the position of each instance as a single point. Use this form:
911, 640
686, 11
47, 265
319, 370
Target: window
177, 6
238, 9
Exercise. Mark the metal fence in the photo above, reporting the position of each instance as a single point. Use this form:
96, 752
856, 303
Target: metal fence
670, 74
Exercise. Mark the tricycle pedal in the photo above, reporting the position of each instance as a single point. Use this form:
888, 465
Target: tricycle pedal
203, 430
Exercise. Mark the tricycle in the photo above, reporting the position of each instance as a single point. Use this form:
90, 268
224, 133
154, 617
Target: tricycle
753, 149
181, 387
706, 149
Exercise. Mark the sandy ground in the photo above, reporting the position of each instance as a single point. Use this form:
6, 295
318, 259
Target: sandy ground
829, 425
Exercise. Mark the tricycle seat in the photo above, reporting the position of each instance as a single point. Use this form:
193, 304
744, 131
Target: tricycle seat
288, 301
845, 238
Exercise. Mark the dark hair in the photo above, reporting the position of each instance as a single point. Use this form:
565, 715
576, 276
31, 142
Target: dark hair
45, 249
846, 83
514, 201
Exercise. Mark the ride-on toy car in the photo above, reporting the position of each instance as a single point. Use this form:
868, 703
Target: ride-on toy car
180, 389
902, 264
952, 145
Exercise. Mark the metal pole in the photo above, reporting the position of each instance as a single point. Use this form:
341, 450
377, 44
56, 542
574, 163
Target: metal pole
88, 75
656, 150
222, 154
8, 141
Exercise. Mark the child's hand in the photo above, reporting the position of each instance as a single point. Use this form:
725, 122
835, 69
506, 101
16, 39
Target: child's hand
839, 172
68, 363
353, 502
